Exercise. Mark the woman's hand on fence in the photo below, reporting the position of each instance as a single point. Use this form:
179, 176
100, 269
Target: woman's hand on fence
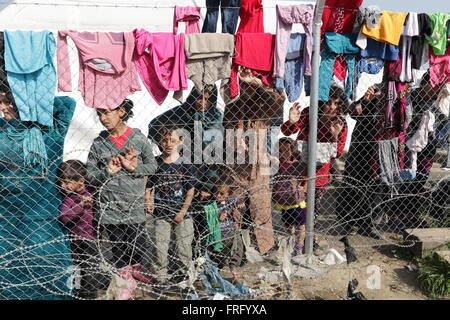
336, 127
245, 75
294, 113
372, 93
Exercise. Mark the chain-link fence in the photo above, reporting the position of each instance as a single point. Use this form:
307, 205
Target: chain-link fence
118, 188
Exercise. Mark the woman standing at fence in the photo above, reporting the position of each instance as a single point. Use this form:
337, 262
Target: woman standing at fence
254, 113
35, 260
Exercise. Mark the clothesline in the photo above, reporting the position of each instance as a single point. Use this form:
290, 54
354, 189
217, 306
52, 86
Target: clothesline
121, 5
338, 8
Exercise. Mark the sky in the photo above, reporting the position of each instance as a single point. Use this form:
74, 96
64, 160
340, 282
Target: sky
419, 6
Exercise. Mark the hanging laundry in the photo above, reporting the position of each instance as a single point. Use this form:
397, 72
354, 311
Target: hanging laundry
230, 14
370, 15
208, 57
189, 15
253, 51
107, 74
377, 49
31, 73
420, 50
420, 138
418, 41
252, 16
339, 15
336, 43
161, 63
286, 17
438, 39
410, 29
390, 29
439, 68
293, 68
366, 65
443, 101
389, 166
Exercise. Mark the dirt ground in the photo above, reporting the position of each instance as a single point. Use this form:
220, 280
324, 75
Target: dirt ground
396, 281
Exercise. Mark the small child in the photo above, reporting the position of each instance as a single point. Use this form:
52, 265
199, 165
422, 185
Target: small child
118, 163
77, 215
172, 190
230, 219
289, 192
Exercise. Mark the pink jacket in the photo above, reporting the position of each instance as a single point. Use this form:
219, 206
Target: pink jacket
286, 16
190, 15
439, 68
163, 66
107, 74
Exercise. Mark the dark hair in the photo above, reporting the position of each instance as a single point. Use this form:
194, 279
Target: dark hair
7, 98
291, 143
72, 170
336, 92
127, 105
218, 186
167, 129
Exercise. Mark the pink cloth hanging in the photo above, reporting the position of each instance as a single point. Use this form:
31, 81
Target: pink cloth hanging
161, 62
439, 67
286, 17
189, 15
107, 75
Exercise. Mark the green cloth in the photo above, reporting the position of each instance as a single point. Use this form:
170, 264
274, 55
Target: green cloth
212, 220
438, 39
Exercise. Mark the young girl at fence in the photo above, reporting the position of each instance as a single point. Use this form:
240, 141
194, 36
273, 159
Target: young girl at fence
229, 220
77, 215
289, 191
118, 164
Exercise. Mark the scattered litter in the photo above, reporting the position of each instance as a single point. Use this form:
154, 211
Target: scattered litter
251, 253
214, 283
332, 257
409, 268
270, 276
122, 285
219, 296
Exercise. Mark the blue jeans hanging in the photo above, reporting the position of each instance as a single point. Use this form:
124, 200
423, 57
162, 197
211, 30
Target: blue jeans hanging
230, 14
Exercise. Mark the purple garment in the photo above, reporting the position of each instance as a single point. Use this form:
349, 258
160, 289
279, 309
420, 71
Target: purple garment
78, 219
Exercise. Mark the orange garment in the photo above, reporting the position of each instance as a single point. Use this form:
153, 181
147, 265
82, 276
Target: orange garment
390, 28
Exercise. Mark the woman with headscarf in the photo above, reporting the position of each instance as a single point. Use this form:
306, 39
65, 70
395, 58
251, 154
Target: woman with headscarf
35, 259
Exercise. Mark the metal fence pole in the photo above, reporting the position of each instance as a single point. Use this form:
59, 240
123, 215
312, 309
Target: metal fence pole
312, 138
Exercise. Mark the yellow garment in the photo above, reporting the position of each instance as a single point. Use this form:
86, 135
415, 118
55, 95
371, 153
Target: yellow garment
390, 28
283, 207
